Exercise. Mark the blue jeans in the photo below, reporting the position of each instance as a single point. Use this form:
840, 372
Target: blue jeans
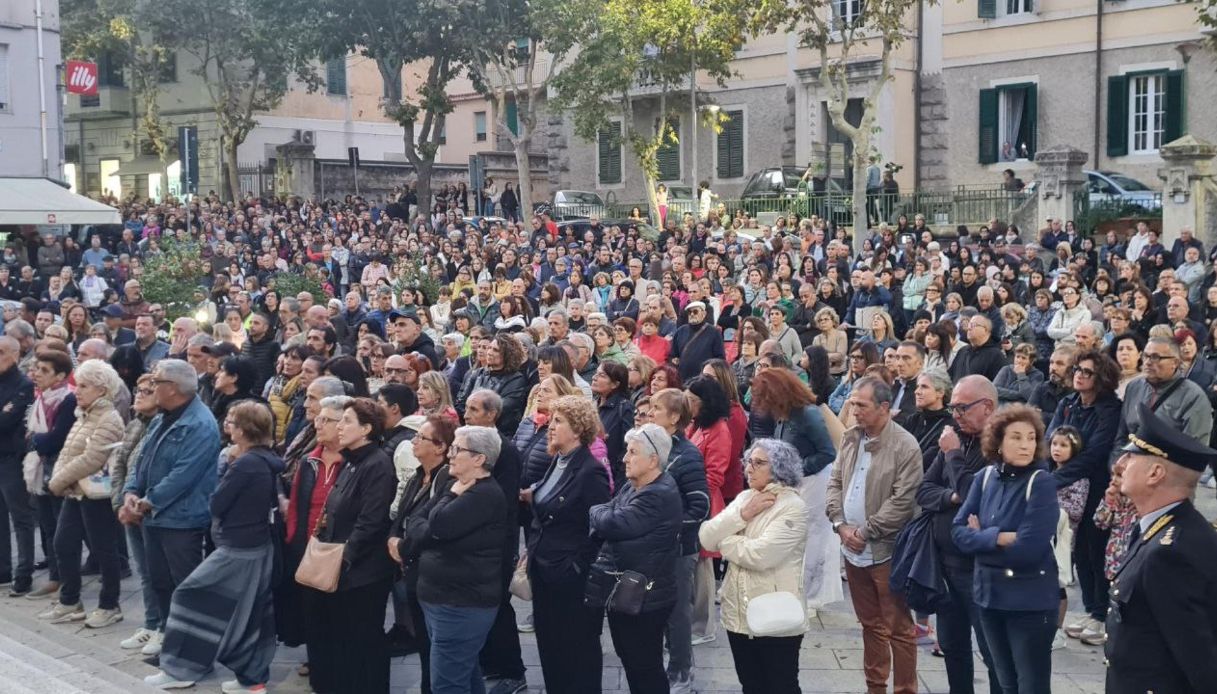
1020, 644
152, 609
680, 621
457, 635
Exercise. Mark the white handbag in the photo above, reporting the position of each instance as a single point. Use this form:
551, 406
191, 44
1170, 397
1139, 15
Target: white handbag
774, 614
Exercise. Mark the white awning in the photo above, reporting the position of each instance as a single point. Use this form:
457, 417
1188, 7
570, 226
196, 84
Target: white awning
43, 201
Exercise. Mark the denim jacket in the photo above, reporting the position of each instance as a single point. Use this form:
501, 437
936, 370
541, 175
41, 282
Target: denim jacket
177, 472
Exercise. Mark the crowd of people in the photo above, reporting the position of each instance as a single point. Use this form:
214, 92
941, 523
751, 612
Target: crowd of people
726, 425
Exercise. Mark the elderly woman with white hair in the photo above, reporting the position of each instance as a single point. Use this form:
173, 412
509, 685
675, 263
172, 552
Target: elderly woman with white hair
640, 527
762, 535
79, 478
460, 566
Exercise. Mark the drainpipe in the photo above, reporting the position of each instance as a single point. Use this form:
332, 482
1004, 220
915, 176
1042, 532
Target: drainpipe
1098, 81
46, 162
917, 96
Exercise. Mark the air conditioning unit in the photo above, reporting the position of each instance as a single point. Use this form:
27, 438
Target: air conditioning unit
307, 136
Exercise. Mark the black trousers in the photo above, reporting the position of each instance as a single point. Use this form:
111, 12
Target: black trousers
500, 657
48, 521
766, 664
568, 636
172, 555
94, 519
347, 651
956, 622
418, 625
1088, 553
638, 641
15, 506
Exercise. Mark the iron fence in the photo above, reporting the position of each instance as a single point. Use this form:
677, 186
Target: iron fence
1092, 209
966, 205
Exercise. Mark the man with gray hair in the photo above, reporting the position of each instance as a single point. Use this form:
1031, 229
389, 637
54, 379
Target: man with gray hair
170, 491
870, 499
1088, 335
1167, 392
94, 348
582, 359
23, 333
501, 658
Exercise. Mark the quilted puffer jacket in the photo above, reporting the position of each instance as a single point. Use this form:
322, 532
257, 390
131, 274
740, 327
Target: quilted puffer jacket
96, 433
641, 532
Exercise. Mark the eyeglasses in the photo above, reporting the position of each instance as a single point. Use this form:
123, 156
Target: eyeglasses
1087, 373
957, 410
325, 420
757, 462
395, 370
433, 441
145, 391
1155, 358
461, 449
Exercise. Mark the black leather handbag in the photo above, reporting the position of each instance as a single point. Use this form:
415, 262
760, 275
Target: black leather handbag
629, 594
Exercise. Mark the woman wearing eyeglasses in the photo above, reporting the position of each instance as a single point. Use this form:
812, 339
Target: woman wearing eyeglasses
1094, 410
310, 487
763, 535
430, 447
123, 463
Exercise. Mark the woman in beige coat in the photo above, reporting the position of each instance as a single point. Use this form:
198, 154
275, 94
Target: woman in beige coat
86, 510
762, 535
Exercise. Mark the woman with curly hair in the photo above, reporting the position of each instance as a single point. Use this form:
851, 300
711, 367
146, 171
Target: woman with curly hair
561, 549
1007, 522
504, 355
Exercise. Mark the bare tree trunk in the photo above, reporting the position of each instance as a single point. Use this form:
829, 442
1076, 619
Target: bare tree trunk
861, 221
234, 178
422, 188
524, 171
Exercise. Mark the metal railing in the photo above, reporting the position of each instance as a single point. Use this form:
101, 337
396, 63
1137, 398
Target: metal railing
1090, 209
969, 206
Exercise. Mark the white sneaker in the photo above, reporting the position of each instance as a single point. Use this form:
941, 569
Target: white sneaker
1075, 629
163, 680
235, 687
699, 640
62, 614
100, 618
137, 640
525, 626
1059, 640
1095, 635
153, 646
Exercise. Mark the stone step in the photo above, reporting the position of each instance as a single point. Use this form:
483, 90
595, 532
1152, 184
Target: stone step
40, 658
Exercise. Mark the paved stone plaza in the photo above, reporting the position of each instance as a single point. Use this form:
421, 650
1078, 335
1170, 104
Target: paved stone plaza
41, 658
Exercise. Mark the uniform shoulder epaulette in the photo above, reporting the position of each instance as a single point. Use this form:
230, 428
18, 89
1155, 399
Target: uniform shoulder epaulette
1168, 537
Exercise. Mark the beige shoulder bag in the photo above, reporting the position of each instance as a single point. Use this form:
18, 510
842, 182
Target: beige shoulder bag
322, 563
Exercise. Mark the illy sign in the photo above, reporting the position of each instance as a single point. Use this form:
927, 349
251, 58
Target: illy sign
82, 78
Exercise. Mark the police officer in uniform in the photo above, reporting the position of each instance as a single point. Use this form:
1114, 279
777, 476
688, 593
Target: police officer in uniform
1162, 625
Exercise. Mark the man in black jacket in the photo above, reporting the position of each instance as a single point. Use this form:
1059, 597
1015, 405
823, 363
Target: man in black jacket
942, 491
1046, 395
262, 349
500, 658
16, 394
411, 338
983, 355
696, 342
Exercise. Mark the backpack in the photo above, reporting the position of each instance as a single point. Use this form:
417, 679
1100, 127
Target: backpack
1062, 542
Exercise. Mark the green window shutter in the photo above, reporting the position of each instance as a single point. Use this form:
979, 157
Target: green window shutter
731, 146
1031, 115
609, 150
1117, 115
336, 76
1176, 108
512, 117
988, 126
986, 9
668, 156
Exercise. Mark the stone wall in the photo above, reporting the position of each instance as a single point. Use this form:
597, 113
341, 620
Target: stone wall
935, 132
